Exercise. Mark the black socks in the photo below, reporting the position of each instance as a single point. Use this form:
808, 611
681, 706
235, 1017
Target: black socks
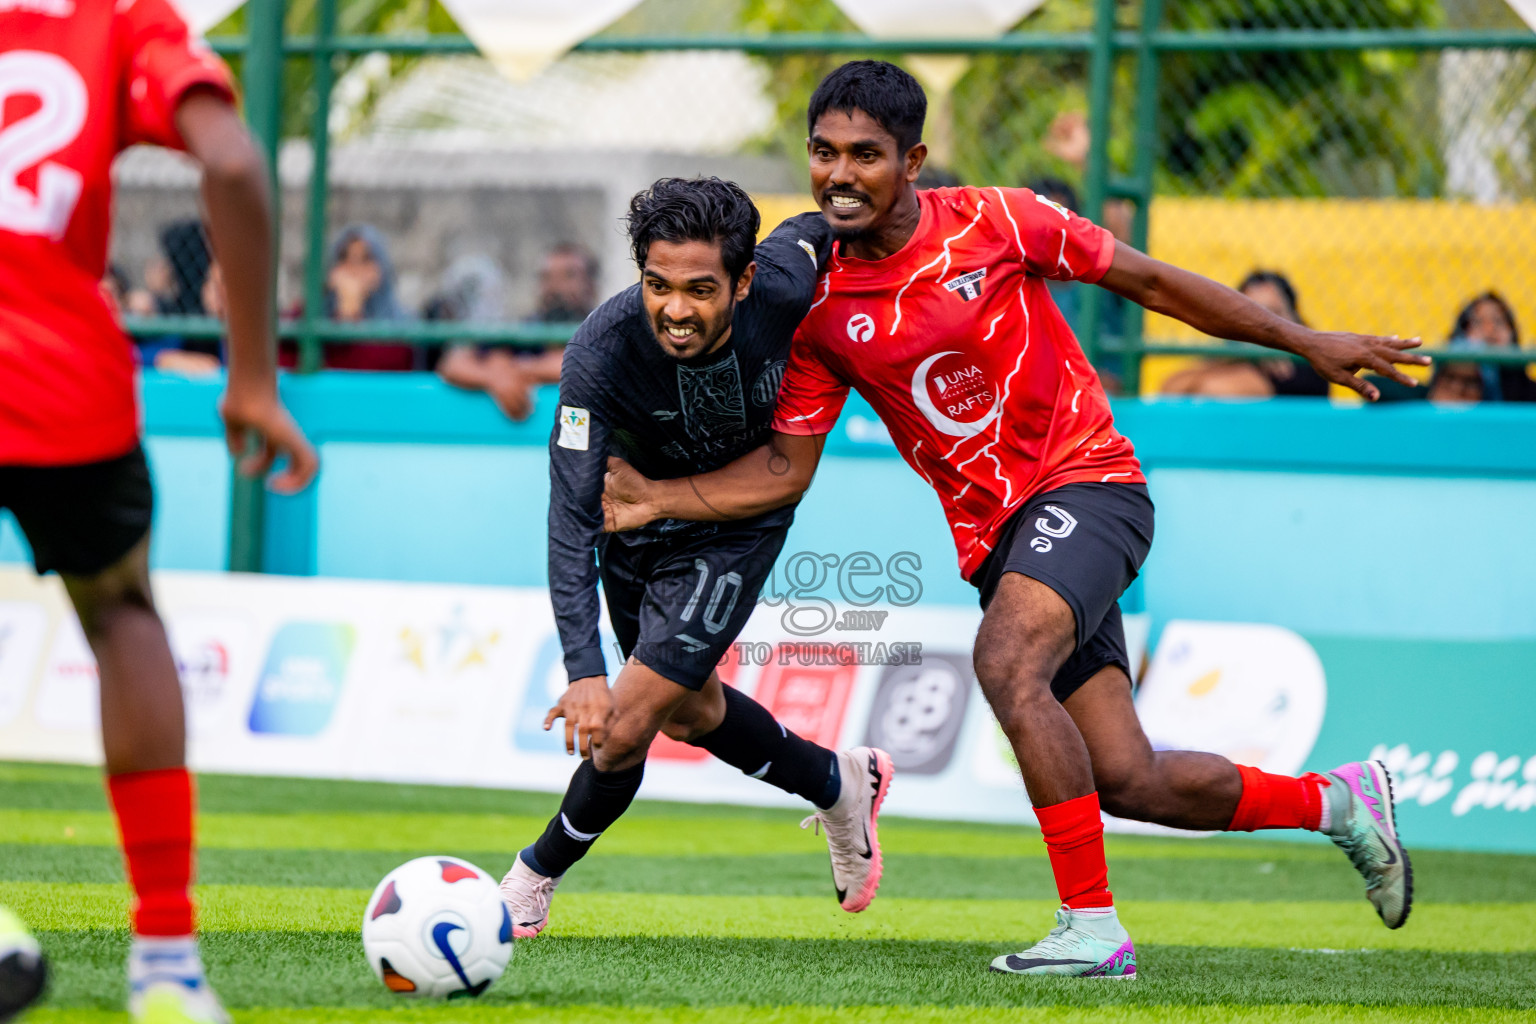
751, 739
593, 801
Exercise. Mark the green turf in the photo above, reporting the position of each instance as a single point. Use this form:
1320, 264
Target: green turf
1442, 878
698, 914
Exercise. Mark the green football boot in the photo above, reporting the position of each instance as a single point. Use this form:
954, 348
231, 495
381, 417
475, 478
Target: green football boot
1363, 825
1084, 944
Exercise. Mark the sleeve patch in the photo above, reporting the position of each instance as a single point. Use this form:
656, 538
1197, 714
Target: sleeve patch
575, 427
810, 250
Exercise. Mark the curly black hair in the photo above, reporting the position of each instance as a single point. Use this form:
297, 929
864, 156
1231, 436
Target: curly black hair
695, 210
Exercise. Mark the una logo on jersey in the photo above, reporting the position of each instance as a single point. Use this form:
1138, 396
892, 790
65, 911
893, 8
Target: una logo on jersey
955, 394
968, 286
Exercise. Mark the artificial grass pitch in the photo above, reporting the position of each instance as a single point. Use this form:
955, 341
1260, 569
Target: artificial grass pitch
707, 915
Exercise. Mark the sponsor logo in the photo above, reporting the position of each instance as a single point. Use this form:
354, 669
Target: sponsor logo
302, 678
575, 428
861, 327
1254, 694
547, 681
67, 699
967, 286
918, 710
212, 650
808, 699
448, 649
1496, 782
765, 390
955, 394
1062, 528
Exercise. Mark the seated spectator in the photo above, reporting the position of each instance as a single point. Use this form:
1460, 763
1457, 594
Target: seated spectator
1487, 320
1239, 378
567, 293
1068, 295
176, 283
360, 286
1456, 384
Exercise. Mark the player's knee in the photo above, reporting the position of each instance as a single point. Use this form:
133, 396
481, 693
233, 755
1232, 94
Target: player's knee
1011, 680
697, 717
106, 602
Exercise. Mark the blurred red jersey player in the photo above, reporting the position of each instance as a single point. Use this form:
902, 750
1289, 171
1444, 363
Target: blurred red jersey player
80, 80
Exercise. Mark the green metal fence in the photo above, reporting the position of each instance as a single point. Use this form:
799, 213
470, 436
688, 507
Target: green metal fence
1242, 101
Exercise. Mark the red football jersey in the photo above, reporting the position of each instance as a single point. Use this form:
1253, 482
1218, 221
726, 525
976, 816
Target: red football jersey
80, 80
957, 344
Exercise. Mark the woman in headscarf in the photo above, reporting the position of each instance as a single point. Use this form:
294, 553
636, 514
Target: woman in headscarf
359, 286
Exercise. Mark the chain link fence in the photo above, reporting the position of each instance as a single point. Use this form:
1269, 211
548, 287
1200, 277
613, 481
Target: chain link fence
1375, 153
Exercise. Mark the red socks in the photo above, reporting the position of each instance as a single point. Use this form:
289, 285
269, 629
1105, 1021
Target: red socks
1278, 801
154, 818
1074, 837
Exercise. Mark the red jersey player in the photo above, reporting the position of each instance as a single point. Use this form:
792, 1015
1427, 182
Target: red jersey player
935, 307
79, 81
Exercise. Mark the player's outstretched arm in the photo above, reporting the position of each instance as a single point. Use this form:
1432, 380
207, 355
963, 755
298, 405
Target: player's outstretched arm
1222, 312
238, 207
760, 481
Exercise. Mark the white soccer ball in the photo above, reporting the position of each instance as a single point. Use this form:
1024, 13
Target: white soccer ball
436, 927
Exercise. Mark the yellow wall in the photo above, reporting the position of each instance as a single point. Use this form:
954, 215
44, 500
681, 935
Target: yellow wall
1396, 266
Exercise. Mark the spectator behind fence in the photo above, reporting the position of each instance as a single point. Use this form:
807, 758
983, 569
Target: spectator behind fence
567, 293
1238, 378
359, 286
176, 280
1456, 384
1489, 321
1069, 294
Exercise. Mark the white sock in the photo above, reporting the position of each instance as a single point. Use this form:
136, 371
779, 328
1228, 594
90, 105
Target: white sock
1327, 816
1095, 911
159, 954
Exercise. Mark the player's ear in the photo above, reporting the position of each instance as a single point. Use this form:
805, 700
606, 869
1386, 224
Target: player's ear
744, 282
915, 157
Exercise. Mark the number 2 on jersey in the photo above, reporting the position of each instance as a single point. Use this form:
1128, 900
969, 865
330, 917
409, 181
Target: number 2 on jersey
62, 102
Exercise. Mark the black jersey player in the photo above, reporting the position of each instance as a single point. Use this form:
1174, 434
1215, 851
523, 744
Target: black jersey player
679, 375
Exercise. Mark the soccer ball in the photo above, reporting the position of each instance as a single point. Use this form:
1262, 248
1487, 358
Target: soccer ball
22, 970
436, 927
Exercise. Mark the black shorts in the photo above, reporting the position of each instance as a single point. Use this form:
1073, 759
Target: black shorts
677, 605
80, 519
1087, 543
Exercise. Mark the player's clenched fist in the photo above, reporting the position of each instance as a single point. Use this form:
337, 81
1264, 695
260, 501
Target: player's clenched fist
626, 497
586, 706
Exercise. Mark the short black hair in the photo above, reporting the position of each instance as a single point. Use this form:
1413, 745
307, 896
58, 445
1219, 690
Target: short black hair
880, 89
1057, 191
695, 210
1277, 281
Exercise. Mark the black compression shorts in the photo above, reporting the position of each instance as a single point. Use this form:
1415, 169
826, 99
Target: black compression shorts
1087, 543
677, 605
80, 519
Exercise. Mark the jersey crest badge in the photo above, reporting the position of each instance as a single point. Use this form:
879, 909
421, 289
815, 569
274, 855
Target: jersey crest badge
967, 286
575, 428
